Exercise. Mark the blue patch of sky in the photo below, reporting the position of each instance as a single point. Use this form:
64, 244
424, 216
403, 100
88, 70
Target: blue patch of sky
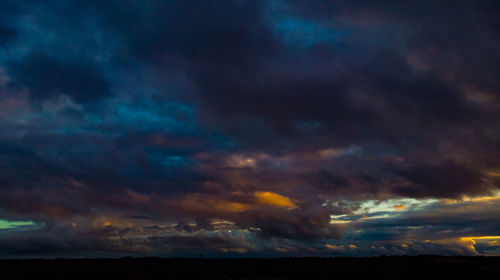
45, 30
306, 33
171, 117
168, 116
170, 161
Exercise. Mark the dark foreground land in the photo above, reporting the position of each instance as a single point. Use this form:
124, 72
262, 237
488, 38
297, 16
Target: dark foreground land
418, 267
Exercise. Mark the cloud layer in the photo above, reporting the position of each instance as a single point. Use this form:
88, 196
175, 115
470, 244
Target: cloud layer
254, 128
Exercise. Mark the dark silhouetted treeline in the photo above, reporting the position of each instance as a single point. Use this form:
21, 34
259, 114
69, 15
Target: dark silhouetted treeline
400, 267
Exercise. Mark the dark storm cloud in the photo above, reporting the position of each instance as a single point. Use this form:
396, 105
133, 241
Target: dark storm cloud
269, 116
6, 35
46, 78
301, 225
446, 179
451, 28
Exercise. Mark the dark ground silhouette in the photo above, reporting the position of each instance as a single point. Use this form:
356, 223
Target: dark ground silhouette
402, 267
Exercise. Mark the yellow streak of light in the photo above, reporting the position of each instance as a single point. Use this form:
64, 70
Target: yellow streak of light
339, 222
479, 237
465, 198
471, 240
234, 250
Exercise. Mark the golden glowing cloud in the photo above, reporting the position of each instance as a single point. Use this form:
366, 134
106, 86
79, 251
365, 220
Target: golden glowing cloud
199, 203
471, 240
339, 221
330, 153
232, 206
234, 250
285, 249
399, 207
488, 198
111, 220
333, 247
481, 237
238, 161
274, 199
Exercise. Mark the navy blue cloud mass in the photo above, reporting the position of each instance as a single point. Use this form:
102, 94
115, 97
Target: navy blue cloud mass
249, 128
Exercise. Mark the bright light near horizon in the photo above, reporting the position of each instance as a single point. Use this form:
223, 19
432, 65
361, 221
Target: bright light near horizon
5, 224
373, 209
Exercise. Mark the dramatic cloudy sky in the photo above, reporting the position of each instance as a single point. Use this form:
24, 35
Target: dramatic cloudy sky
249, 128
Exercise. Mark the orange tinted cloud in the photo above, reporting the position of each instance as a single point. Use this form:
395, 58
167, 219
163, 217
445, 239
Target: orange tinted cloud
274, 199
334, 247
468, 241
199, 203
471, 240
399, 207
234, 250
494, 174
232, 206
204, 204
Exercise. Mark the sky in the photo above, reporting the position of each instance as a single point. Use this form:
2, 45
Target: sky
249, 128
